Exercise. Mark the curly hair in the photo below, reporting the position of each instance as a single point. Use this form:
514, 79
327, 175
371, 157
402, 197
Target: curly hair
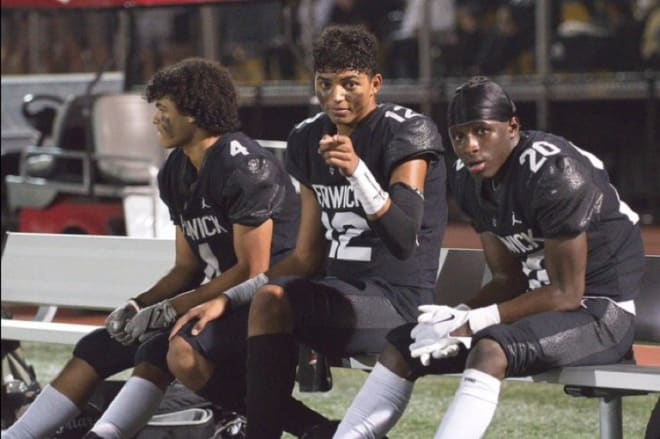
201, 89
346, 48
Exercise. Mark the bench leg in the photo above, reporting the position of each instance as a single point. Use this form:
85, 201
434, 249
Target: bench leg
611, 422
45, 313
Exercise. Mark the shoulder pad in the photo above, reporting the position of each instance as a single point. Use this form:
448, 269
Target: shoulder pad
414, 137
307, 122
255, 189
565, 198
298, 145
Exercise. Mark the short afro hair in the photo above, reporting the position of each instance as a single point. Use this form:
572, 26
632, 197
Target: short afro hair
201, 89
341, 48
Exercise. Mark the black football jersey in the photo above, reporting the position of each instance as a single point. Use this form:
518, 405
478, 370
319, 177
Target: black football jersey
239, 183
550, 188
387, 137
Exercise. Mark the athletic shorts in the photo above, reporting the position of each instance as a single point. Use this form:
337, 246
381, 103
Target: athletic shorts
599, 332
108, 357
223, 341
342, 318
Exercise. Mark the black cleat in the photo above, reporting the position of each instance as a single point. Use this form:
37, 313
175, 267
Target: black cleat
324, 430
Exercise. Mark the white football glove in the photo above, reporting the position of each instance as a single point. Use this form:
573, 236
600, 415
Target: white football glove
117, 319
151, 318
431, 334
428, 348
441, 320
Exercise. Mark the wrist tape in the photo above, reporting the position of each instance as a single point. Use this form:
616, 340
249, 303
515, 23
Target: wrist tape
242, 293
481, 318
372, 197
137, 304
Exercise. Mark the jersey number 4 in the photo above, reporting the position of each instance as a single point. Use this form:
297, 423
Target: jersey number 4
212, 269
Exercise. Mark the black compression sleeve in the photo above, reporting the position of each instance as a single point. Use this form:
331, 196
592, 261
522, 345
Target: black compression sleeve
399, 226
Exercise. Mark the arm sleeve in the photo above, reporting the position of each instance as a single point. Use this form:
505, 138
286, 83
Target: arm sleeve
565, 199
399, 226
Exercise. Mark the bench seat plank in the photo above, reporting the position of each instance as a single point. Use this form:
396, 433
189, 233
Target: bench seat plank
44, 332
611, 376
81, 271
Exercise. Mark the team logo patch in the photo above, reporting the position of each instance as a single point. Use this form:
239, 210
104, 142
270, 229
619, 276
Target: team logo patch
514, 220
253, 165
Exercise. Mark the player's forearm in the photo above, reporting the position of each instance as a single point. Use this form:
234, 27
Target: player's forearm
177, 280
497, 290
298, 263
544, 299
212, 289
399, 226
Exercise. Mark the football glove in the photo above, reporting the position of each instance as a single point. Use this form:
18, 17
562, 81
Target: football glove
427, 348
446, 319
151, 318
438, 321
116, 320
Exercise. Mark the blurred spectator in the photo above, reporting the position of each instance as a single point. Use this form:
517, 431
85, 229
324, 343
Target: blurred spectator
470, 30
403, 48
381, 16
15, 47
596, 35
508, 48
247, 34
650, 44
581, 40
377, 15
154, 30
313, 16
345, 12
162, 36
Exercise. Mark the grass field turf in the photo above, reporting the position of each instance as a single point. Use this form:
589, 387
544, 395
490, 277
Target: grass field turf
525, 411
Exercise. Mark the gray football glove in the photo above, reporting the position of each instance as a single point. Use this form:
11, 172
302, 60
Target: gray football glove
117, 319
151, 318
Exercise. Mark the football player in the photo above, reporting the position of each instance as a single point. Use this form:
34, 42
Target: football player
566, 258
372, 184
235, 211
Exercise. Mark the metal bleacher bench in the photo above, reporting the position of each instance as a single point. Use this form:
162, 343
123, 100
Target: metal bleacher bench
100, 272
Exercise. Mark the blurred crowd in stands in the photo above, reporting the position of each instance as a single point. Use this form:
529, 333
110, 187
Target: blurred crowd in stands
270, 40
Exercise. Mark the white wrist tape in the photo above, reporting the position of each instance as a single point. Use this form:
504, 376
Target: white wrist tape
242, 293
134, 304
481, 318
367, 190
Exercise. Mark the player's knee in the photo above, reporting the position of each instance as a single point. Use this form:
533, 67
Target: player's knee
270, 311
392, 359
89, 347
488, 356
399, 339
180, 358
